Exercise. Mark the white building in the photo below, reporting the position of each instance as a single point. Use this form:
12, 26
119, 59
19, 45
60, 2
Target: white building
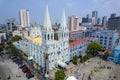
46, 51
77, 34
24, 18
78, 47
107, 38
73, 23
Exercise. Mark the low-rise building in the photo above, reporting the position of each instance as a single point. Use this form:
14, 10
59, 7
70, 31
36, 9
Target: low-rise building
90, 39
77, 34
107, 38
77, 47
1, 38
116, 54
92, 29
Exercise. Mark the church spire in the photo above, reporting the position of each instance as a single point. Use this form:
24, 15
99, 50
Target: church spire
47, 22
63, 21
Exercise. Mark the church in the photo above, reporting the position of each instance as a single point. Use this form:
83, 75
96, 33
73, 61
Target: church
43, 48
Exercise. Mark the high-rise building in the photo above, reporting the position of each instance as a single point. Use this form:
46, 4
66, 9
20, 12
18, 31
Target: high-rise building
73, 23
99, 21
24, 18
114, 23
113, 15
94, 16
104, 21
11, 25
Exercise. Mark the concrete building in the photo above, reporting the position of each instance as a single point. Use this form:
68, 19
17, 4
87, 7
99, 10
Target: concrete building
1, 38
107, 38
90, 39
45, 50
73, 23
116, 54
77, 34
92, 29
77, 47
114, 23
94, 17
11, 25
24, 18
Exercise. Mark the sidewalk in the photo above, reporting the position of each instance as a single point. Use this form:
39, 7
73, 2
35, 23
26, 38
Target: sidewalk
35, 73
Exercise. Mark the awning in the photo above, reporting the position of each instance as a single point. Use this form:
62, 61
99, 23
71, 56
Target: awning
30, 58
61, 64
71, 78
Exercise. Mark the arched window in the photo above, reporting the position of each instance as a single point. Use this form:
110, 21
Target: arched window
48, 36
45, 36
52, 36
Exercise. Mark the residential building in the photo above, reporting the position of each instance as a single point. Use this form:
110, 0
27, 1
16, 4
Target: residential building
1, 38
113, 15
90, 39
11, 25
104, 21
24, 18
77, 34
45, 50
114, 23
92, 29
116, 54
107, 38
73, 23
94, 17
78, 47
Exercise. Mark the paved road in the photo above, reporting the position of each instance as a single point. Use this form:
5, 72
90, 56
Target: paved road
8, 68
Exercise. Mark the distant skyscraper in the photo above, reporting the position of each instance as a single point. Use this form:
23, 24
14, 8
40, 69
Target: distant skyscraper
99, 21
73, 23
113, 15
114, 23
24, 18
94, 16
104, 21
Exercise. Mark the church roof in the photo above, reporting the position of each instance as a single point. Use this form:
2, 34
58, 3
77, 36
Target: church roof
38, 40
63, 21
47, 22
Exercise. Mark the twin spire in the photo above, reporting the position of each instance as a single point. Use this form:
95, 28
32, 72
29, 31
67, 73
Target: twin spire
47, 22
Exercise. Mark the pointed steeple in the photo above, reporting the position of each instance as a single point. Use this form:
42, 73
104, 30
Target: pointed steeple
47, 22
63, 21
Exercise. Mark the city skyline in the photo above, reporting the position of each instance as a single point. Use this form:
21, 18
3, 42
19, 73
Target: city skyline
37, 8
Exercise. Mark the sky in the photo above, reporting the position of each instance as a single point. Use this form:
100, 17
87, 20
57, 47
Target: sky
10, 8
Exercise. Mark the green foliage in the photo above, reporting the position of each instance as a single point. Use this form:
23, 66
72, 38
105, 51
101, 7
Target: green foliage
1, 47
16, 38
105, 56
60, 75
75, 59
94, 47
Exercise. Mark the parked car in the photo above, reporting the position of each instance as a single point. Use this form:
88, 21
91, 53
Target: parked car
29, 76
28, 72
13, 57
25, 70
22, 66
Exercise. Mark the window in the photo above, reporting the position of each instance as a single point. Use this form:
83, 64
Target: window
48, 36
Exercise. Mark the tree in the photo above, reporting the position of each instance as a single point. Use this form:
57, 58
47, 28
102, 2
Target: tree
75, 59
60, 75
1, 47
16, 38
94, 47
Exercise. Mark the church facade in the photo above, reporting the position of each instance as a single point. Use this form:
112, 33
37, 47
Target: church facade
41, 45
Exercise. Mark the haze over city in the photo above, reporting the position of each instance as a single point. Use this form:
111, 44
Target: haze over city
10, 8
